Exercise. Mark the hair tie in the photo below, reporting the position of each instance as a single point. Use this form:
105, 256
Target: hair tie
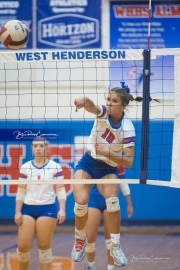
125, 87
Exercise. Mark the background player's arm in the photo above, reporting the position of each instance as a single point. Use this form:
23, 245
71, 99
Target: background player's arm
19, 203
129, 205
88, 105
126, 193
126, 160
61, 195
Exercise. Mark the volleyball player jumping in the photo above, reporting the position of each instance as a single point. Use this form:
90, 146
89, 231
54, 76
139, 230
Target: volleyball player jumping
112, 134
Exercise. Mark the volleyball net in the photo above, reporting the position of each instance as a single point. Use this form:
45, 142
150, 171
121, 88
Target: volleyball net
37, 93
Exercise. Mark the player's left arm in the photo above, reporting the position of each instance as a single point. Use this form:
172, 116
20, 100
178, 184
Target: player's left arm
61, 196
130, 209
127, 195
20, 197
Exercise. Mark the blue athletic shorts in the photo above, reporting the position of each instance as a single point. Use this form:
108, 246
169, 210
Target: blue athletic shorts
95, 168
36, 211
97, 201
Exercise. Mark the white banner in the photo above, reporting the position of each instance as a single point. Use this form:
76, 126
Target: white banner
89, 55
81, 55
175, 177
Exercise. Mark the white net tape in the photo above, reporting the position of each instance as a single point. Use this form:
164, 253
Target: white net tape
89, 181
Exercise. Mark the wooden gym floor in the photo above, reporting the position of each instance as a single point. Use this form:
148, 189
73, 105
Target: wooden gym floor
149, 251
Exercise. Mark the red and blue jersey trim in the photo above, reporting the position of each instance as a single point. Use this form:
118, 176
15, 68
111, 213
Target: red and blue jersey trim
104, 111
21, 175
129, 140
58, 174
120, 169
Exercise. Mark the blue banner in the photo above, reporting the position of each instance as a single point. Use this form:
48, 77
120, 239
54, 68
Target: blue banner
161, 76
66, 145
68, 149
129, 25
68, 24
28, 135
17, 10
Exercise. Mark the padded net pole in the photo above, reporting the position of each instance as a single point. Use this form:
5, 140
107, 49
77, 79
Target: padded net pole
145, 117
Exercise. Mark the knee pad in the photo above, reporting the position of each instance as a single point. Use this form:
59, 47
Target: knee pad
23, 257
112, 204
108, 243
80, 210
45, 256
90, 247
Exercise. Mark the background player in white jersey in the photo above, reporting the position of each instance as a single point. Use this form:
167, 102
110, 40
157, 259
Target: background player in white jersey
97, 207
112, 134
35, 206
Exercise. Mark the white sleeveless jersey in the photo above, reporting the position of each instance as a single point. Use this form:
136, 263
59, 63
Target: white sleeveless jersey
40, 194
115, 138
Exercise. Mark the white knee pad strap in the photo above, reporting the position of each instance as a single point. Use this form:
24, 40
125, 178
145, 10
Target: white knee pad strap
80, 210
108, 243
45, 256
23, 257
112, 204
90, 247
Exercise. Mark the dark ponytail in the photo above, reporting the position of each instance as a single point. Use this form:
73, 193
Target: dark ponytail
126, 96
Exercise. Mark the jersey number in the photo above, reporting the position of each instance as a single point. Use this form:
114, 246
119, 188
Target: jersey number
108, 136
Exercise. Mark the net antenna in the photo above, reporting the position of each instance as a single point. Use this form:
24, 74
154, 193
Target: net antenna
149, 25
145, 106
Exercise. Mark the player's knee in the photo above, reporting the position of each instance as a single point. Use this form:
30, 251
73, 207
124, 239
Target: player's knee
81, 200
90, 247
112, 204
80, 210
81, 195
23, 256
45, 256
108, 243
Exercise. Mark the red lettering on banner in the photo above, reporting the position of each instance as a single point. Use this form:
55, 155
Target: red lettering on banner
11, 168
118, 11
64, 154
1, 155
167, 11
15, 153
175, 10
131, 11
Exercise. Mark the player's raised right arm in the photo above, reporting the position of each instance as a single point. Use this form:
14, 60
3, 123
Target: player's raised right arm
88, 105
